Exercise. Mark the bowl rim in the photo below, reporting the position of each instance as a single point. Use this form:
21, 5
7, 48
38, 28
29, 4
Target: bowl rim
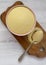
32, 27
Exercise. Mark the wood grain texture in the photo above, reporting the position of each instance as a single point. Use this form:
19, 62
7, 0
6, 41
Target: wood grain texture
35, 49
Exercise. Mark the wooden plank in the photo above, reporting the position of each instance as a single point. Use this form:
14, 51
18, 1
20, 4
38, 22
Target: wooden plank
35, 50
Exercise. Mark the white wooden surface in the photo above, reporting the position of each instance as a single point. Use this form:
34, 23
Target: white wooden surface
10, 49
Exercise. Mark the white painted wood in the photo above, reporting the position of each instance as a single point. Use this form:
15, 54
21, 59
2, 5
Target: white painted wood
10, 49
